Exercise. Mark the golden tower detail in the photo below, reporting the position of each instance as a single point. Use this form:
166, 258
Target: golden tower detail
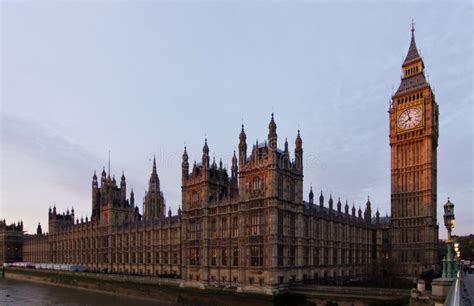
413, 140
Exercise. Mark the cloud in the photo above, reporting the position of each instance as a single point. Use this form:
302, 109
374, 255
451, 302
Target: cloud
40, 167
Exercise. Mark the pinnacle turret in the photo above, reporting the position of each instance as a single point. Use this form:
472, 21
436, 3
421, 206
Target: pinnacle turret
205, 154
298, 142
272, 134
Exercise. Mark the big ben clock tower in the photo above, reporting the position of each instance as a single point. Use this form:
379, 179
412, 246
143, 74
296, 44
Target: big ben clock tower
413, 147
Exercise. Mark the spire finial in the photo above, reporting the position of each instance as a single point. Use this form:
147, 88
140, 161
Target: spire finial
109, 162
413, 25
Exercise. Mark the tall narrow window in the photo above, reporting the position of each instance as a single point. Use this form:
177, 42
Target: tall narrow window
256, 255
224, 257
280, 255
256, 184
235, 256
224, 228
213, 256
280, 187
235, 226
212, 228
292, 225
292, 191
256, 223
194, 199
280, 223
292, 257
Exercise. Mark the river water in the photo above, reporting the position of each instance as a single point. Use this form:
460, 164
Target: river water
13, 292
16, 292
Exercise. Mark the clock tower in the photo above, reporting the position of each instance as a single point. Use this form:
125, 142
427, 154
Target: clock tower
413, 147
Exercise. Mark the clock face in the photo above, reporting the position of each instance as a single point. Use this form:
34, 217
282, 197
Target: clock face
409, 118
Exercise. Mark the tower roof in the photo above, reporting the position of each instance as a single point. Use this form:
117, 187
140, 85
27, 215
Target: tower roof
412, 50
416, 80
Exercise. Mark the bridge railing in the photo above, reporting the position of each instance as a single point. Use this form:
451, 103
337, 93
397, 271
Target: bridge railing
457, 295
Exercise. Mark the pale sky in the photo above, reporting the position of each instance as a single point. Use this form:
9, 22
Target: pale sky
143, 78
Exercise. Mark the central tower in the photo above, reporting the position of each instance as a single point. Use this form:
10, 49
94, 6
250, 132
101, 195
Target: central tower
413, 140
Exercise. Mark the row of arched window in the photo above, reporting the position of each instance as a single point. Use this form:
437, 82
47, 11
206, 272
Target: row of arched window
410, 98
411, 71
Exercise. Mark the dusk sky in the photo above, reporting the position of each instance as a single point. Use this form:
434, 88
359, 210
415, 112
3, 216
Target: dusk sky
145, 78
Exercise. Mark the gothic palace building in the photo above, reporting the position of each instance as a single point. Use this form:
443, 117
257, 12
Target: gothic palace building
252, 228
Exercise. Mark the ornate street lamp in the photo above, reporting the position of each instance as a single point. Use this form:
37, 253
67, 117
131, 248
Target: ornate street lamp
449, 217
449, 263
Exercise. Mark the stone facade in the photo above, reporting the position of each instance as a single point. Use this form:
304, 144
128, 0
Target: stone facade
414, 133
36, 247
250, 229
11, 242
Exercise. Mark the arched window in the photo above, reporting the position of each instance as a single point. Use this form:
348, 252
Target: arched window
194, 199
256, 184
280, 187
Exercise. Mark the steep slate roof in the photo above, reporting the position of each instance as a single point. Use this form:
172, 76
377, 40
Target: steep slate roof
415, 81
412, 51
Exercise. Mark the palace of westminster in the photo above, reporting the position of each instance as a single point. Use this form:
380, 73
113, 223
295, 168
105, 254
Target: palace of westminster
253, 228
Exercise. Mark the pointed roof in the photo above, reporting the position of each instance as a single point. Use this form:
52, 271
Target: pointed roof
154, 182
272, 125
412, 50
185, 154
234, 158
205, 149
298, 141
242, 135
414, 81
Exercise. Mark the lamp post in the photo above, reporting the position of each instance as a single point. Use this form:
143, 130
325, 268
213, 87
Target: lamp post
449, 263
457, 252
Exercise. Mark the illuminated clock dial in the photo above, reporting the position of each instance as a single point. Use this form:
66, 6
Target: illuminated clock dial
409, 118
